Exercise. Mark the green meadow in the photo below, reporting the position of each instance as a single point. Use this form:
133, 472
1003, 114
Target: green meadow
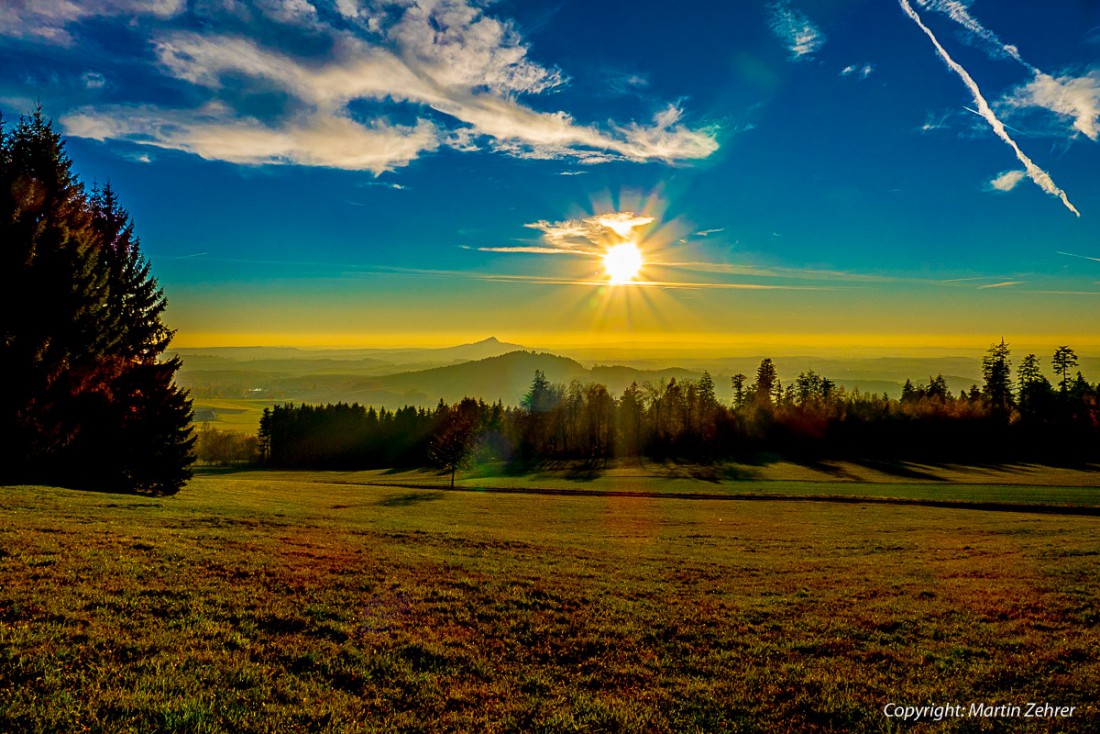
620, 601
240, 415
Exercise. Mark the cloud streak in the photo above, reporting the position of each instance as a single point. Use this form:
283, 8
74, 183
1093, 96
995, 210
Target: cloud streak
1041, 178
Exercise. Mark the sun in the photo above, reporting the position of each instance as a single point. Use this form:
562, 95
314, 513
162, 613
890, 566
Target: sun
622, 262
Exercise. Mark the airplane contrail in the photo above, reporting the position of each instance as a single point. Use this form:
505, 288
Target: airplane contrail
1083, 257
1041, 178
1007, 126
959, 13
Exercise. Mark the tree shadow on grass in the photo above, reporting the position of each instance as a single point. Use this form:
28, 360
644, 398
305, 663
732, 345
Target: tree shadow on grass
576, 470
829, 468
898, 469
712, 472
215, 470
409, 499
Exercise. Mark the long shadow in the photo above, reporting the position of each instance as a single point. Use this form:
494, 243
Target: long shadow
827, 467
714, 473
585, 471
410, 499
898, 469
217, 471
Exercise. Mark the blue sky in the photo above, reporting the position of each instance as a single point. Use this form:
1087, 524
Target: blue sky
810, 173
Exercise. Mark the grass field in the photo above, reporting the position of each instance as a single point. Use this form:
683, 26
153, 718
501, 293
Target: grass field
280, 601
240, 415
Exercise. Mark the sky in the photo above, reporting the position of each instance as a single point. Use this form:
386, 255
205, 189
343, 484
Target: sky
794, 175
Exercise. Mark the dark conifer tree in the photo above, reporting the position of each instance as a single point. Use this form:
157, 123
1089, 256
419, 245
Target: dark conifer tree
85, 401
997, 373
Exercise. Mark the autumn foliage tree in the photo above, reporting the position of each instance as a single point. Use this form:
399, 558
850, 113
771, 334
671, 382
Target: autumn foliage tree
86, 399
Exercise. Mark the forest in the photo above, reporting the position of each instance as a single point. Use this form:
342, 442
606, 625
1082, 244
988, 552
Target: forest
1026, 416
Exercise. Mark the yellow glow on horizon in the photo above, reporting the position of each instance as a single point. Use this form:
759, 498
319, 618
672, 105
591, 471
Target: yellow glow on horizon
623, 262
705, 342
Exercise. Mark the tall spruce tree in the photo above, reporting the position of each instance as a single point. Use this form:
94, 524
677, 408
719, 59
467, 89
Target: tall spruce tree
85, 401
997, 373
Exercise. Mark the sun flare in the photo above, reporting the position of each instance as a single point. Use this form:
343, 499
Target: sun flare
623, 262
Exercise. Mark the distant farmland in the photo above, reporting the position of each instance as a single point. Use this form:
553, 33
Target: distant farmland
282, 601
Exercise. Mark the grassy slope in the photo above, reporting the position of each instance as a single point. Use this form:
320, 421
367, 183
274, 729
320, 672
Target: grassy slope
278, 601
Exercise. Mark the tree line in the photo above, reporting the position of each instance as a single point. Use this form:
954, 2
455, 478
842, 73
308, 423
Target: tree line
1026, 416
86, 400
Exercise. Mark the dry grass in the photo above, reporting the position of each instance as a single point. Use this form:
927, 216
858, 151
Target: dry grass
282, 602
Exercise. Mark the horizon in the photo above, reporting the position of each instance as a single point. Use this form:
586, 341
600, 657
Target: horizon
776, 178
627, 351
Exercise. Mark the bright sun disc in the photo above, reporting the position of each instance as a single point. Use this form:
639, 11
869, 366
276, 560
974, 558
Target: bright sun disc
623, 262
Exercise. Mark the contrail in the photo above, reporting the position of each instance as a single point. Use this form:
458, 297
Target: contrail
1041, 178
1007, 126
1083, 257
959, 13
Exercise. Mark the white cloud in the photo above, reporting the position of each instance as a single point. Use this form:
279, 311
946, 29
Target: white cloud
801, 36
1041, 178
48, 20
287, 11
1007, 181
94, 80
863, 71
1077, 98
350, 8
446, 55
215, 133
588, 236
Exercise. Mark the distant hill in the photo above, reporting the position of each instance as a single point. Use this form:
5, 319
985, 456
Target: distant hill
491, 347
505, 377
495, 370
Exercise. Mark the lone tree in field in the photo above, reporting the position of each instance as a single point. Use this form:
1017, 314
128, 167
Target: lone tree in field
455, 437
85, 399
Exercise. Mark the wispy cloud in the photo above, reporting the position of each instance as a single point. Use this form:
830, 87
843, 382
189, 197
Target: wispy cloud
1007, 181
935, 121
1038, 175
588, 236
1002, 284
49, 20
461, 72
960, 13
708, 232
775, 272
859, 70
794, 29
535, 250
